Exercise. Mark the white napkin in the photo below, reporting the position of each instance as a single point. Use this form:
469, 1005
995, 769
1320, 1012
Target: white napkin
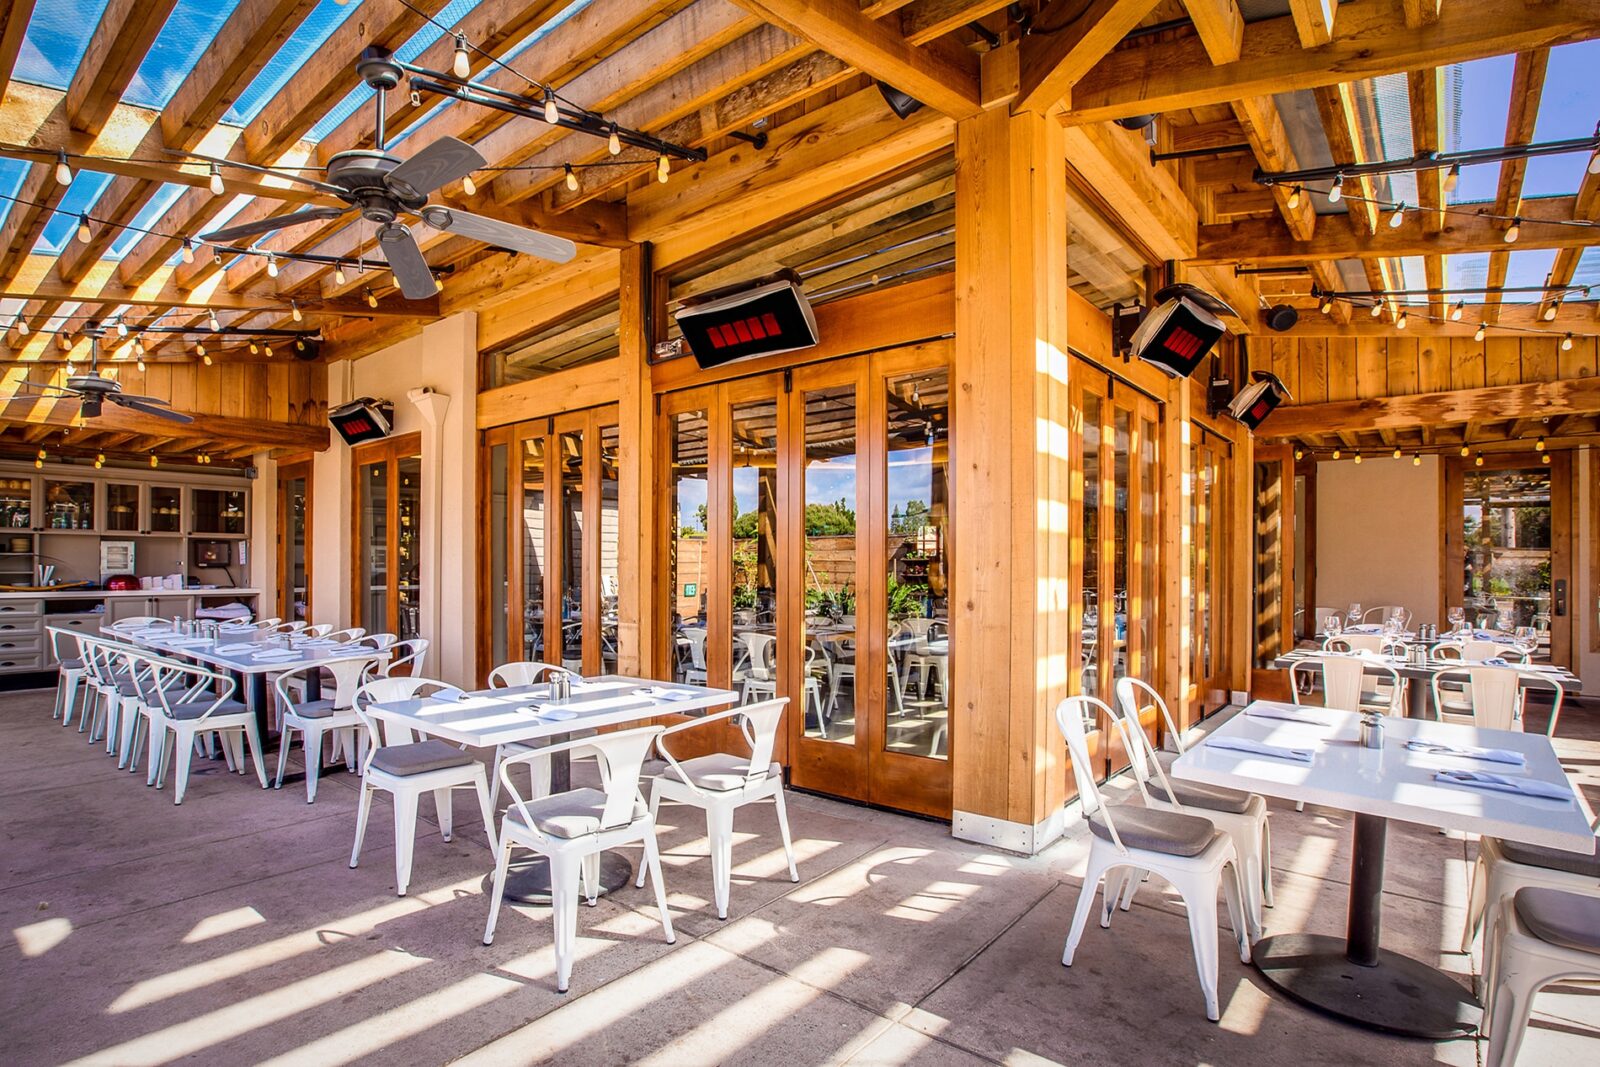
1505, 783
1310, 718
234, 650
189, 642
1492, 755
277, 654
1260, 748
554, 714
663, 693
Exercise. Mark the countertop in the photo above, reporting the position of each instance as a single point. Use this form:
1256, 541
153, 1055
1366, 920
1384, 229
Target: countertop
103, 594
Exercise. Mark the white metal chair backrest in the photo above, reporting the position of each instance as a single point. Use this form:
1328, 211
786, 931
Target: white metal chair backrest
387, 690
292, 627
378, 641
348, 676
1358, 643
321, 629
140, 622
761, 651
1070, 716
1482, 650
523, 672
1382, 613
102, 658
1447, 650
1494, 692
1135, 695
170, 681
265, 624
412, 652
1141, 750
349, 633
621, 756
1341, 680
759, 724
696, 636
65, 644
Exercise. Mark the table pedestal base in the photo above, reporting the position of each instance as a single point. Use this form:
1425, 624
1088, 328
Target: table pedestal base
1398, 996
528, 880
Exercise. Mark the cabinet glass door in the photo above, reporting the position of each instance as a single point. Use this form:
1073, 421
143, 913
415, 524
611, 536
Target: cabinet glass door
388, 516
68, 505
219, 511
166, 509
16, 503
122, 508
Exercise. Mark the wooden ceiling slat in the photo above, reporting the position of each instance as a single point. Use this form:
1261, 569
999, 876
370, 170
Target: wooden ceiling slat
1052, 64
13, 28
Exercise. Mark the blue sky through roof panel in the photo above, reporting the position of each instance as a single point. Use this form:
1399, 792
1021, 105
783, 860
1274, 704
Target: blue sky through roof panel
1478, 99
189, 31
1588, 272
1528, 267
58, 35
311, 35
12, 171
149, 219
80, 196
1569, 108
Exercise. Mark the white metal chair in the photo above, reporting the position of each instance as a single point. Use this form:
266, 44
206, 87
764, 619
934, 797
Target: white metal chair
929, 666
140, 622
184, 702
313, 718
1346, 681
67, 647
1242, 816
293, 626
378, 642
1543, 936
695, 673
1187, 850
411, 654
1381, 614
1503, 867
571, 829
321, 629
1494, 695
521, 673
349, 633
721, 783
407, 768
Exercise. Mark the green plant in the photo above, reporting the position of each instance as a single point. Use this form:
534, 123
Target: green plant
905, 598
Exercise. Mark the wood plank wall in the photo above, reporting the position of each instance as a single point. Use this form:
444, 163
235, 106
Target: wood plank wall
1322, 369
287, 391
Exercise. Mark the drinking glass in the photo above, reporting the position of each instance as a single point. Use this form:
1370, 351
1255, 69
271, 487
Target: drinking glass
1458, 619
1353, 615
1527, 638
1332, 625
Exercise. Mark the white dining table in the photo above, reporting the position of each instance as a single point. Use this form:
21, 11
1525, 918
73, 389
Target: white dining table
492, 717
1353, 977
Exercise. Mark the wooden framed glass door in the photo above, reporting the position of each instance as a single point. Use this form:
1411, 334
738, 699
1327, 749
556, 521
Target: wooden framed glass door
1211, 468
388, 521
811, 515
294, 541
1114, 494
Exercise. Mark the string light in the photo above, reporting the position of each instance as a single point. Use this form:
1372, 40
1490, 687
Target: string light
1358, 459
468, 186
155, 460
141, 363
552, 114
1416, 459
614, 142
663, 168
21, 325
255, 349
272, 265
99, 460
1336, 190
1452, 177
338, 273
1397, 452
1327, 305
1478, 460
63, 171
294, 311
1514, 231
1377, 308
1336, 453
84, 233
216, 181
1551, 311
1457, 311
211, 320
267, 350
438, 284
186, 251
1299, 453
1398, 216
462, 64
1402, 321
1566, 343
372, 298
1545, 459
1294, 198
1478, 334
572, 179
122, 327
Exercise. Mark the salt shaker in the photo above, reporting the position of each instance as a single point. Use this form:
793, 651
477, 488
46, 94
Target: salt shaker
1372, 731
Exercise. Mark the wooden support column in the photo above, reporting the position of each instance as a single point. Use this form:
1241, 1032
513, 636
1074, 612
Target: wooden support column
1177, 486
1011, 480
636, 509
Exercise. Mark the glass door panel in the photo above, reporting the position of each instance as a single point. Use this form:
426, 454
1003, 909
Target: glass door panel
166, 509
408, 556
388, 570
498, 554
1208, 564
688, 561
571, 474
533, 548
122, 508
609, 551
753, 632
16, 503
294, 530
917, 501
828, 623
68, 505
372, 520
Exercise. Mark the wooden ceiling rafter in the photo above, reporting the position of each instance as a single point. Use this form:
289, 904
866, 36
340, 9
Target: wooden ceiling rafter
1051, 63
1527, 89
13, 28
1313, 21
1586, 207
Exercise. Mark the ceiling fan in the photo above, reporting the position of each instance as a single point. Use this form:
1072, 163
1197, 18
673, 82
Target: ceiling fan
383, 188
93, 390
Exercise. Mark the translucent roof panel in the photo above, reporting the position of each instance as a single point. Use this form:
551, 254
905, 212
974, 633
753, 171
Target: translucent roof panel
1415, 275
1530, 267
148, 219
80, 197
12, 172
1466, 270
189, 31
311, 35
1476, 101
1569, 108
58, 35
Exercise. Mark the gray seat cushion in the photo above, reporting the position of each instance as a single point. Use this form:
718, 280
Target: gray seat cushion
419, 757
1570, 920
316, 709
1553, 859
568, 815
193, 709
718, 772
1152, 830
72, 664
1208, 797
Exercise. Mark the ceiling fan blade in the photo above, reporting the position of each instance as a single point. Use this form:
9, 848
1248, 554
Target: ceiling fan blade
229, 234
411, 271
446, 160
142, 399
500, 234
149, 409
41, 390
286, 175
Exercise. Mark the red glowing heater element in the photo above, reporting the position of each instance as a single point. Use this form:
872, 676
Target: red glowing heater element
1258, 399
1180, 331
763, 319
361, 420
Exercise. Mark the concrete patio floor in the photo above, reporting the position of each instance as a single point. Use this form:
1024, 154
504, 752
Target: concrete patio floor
232, 930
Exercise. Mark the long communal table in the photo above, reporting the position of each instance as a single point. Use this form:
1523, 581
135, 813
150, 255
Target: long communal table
1419, 698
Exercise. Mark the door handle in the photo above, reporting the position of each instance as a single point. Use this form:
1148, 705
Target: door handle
1561, 596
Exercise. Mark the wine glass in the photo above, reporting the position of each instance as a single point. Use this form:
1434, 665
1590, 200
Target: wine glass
1527, 638
1353, 615
1332, 625
1458, 620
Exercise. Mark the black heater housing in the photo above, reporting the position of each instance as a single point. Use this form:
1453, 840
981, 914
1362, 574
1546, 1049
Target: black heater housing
1258, 399
1181, 330
361, 420
763, 319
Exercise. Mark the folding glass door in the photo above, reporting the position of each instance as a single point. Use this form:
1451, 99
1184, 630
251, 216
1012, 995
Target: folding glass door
550, 544
388, 519
1115, 525
1211, 468
294, 540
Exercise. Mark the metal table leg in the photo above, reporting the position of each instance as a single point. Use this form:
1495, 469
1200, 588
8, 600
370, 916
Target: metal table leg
1355, 979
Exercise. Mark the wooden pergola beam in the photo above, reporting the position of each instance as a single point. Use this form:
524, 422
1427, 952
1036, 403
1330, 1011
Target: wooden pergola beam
1265, 242
1052, 64
1173, 74
13, 27
1578, 318
1530, 400
946, 79
257, 432
1313, 21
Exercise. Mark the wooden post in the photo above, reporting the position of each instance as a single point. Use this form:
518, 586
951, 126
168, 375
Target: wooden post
1178, 577
636, 503
1011, 538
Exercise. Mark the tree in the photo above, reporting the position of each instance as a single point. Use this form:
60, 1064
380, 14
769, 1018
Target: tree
909, 521
830, 520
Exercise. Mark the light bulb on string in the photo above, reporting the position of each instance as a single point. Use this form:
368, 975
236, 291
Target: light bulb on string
1566, 343
1514, 231
155, 460
266, 350
1397, 452
614, 142
572, 178
1397, 216
1465, 451
1538, 446
215, 184
1336, 453
1545, 459
1327, 305
1452, 177
1336, 190
122, 327
1481, 330
22, 325
1551, 311
468, 186
84, 233
1401, 322
1294, 198
1457, 311
63, 171
1377, 308
338, 273
663, 168
1299, 453
294, 311
1594, 163
438, 284
99, 460
462, 63
272, 265
186, 251
255, 349
140, 363
211, 321
552, 114
1416, 459
372, 298
1477, 461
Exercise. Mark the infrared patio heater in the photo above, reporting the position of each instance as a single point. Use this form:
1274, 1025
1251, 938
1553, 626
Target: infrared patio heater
761, 318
